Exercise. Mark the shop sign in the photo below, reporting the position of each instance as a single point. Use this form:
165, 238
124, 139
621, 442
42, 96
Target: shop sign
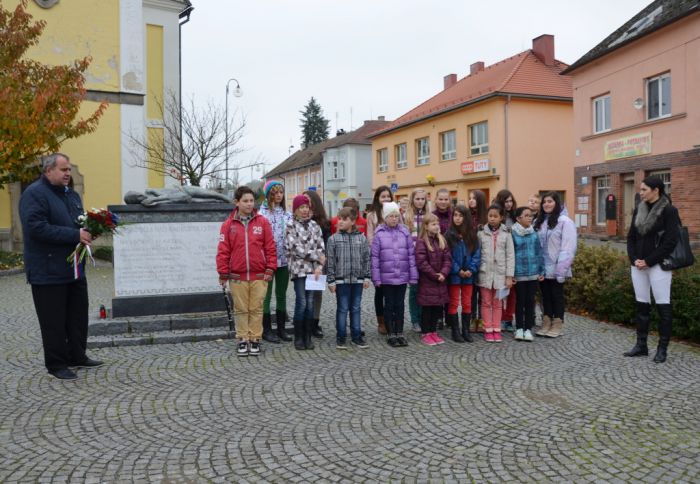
635, 145
474, 166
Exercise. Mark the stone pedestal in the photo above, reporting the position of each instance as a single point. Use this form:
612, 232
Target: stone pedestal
164, 259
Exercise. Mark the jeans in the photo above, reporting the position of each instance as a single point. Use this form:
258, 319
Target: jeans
394, 296
552, 298
303, 301
525, 304
348, 298
655, 280
414, 308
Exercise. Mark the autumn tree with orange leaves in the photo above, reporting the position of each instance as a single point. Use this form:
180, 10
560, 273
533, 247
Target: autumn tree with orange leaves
38, 103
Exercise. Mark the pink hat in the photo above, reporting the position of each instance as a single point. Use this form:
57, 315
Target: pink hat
300, 200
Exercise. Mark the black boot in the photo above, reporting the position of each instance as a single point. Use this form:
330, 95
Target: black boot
453, 323
466, 321
281, 317
642, 320
299, 335
268, 334
664, 332
308, 326
316, 330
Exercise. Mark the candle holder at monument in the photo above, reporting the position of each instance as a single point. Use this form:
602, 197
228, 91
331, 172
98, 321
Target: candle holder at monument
165, 263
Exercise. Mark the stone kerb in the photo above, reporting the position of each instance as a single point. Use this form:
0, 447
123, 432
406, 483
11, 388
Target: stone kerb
164, 259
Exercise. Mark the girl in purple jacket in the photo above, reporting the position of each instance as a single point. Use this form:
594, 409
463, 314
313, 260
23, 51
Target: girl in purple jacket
434, 261
393, 267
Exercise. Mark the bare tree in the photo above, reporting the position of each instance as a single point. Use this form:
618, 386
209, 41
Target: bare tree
192, 144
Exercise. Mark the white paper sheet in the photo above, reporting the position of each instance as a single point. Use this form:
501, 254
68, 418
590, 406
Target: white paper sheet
313, 284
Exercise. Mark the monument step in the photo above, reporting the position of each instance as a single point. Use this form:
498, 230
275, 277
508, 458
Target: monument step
154, 324
159, 337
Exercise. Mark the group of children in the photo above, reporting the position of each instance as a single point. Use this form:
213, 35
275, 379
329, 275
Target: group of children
506, 251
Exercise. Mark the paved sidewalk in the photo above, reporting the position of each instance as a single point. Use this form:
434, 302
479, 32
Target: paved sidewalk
571, 409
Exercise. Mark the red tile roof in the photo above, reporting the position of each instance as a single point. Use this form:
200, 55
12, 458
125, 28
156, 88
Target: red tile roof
523, 74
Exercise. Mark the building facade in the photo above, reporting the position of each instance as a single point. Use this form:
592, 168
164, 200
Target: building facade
337, 168
135, 50
637, 113
507, 125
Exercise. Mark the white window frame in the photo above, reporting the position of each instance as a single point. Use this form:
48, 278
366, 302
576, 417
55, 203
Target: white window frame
423, 151
601, 105
383, 160
665, 175
448, 145
602, 190
660, 93
479, 138
401, 154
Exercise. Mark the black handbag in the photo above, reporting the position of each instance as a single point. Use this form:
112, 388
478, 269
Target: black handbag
682, 255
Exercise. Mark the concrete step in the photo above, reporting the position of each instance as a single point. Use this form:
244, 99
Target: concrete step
159, 337
155, 324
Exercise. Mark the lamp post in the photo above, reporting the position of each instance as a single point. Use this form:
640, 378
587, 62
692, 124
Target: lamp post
238, 93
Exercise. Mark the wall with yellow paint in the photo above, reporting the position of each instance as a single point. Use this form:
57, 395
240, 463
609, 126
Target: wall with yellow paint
154, 95
97, 156
5, 209
75, 29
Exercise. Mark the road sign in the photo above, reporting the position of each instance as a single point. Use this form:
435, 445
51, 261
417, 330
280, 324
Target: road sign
394, 187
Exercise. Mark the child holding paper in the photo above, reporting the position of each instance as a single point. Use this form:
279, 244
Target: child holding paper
496, 271
303, 243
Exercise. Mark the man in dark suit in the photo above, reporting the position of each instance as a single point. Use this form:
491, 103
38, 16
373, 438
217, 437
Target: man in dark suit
49, 211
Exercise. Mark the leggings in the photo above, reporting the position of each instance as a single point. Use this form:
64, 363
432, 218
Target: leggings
653, 279
525, 304
379, 300
430, 315
553, 301
280, 281
459, 292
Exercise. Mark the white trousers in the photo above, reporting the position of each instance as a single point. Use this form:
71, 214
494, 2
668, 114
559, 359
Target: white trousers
653, 279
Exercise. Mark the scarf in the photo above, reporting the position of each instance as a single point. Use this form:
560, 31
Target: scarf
522, 231
648, 214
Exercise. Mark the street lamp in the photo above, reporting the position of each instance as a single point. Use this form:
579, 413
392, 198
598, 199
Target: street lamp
238, 93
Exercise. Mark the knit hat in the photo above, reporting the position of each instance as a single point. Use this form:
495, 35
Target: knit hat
268, 186
389, 208
300, 200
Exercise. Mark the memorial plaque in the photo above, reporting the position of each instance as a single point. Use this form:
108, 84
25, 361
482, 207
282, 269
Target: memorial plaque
152, 259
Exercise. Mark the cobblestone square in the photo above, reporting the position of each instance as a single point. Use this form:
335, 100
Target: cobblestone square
570, 409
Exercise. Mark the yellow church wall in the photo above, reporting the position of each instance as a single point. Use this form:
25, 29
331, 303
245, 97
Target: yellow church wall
75, 29
98, 158
5, 209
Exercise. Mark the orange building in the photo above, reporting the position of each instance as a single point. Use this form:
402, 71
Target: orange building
507, 125
637, 113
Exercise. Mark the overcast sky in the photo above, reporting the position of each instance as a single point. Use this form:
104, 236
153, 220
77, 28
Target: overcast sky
361, 59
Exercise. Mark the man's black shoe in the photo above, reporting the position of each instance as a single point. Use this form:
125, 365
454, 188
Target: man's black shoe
89, 363
64, 374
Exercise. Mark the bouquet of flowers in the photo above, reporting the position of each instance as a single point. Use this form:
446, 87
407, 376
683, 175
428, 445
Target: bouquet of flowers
97, 221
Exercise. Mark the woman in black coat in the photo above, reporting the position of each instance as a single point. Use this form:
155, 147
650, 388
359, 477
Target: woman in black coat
652, 237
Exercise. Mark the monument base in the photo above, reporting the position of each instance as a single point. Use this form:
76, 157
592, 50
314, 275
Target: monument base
130, 306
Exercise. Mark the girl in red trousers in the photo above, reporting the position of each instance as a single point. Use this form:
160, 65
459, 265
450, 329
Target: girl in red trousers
496, 271
466, 258
434, 262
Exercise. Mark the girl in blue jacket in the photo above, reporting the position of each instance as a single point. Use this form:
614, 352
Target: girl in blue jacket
466, 258
529, 269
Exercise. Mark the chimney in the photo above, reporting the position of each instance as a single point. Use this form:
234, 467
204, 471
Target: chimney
449, 80
340, 132
476, 67
380, 118
543, 48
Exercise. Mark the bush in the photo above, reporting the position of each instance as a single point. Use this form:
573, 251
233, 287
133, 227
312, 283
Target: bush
10, 260
602, 288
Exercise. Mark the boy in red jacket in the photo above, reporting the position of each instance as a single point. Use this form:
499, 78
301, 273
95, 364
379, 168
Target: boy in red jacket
246, 259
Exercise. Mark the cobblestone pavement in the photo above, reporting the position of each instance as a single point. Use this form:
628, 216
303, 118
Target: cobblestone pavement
571, 409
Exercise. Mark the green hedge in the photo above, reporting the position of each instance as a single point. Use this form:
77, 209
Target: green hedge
602, 289
10, 260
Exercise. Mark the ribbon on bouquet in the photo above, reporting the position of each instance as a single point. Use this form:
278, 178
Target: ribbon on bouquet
78, 254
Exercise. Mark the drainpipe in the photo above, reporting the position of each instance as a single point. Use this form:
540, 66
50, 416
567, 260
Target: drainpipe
505, 113
185, 14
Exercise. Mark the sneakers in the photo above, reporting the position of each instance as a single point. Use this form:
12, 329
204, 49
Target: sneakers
438, 340
488, 337
497, 338
360, 343
528, 336
254, 348
242, 348
427, 339
340, 344
391, 341
416, 327
519, 334
507, 326
401, 340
